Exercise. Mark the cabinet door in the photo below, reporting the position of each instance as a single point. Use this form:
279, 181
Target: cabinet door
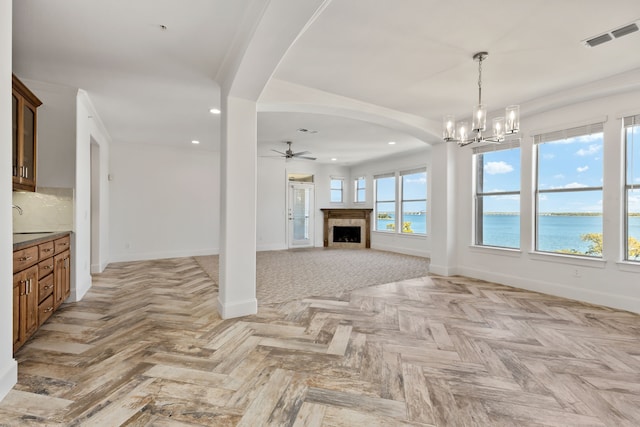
15, 147
25, 305
61, 278
31, 301
18, 292
28, 167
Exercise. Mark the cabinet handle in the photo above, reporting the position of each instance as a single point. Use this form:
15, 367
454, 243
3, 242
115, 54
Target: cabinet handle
21, 171
47, 267
46, 288
25, 287
48, 310
46, 250
26, 172
25, 258
29, 287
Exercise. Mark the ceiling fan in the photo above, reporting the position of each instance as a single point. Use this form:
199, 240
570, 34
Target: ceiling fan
289, 154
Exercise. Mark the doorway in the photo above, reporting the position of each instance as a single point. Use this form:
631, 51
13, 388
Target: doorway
300, 215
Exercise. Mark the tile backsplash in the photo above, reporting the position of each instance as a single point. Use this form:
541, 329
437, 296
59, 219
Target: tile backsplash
49, 209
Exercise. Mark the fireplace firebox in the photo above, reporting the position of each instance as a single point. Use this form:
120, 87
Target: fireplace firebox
346, 234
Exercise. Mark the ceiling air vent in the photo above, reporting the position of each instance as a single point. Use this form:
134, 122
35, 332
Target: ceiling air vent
598, 40
610, 35
628, 29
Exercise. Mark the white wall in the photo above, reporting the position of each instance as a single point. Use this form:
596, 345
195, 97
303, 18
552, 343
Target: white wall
164, 202
271, 218
89, 129
607, 281
8, 366
56, 134
395, 242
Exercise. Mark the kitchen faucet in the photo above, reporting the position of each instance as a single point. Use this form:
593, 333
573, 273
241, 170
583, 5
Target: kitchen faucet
17, 207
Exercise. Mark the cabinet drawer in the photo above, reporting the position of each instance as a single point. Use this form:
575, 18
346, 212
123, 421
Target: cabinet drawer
25, 258
61, 244
45, 267
45, 309
45, 249
45, 287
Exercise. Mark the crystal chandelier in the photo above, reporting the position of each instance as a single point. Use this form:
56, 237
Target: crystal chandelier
502, 126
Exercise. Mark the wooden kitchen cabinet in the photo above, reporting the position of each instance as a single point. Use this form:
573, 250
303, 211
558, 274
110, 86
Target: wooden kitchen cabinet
41, 283
25, 305
61, 278
24, 146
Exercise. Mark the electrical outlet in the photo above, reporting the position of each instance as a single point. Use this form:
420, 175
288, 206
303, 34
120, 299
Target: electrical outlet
576, 273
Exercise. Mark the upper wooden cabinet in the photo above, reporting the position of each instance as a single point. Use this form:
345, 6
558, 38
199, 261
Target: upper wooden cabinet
24, 104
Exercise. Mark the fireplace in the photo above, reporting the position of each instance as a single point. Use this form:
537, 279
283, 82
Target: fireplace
347, 234
347, 228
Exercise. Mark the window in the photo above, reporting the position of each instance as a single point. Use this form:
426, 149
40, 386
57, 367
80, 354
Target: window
360, 186
569, 191
414, 201
337, 186
385, 204
632, 188
497, 196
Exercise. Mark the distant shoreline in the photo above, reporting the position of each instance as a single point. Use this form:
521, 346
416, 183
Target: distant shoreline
554, 214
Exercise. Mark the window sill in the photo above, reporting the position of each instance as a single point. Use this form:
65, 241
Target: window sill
495, 250
629, 266
392, 233
568, 259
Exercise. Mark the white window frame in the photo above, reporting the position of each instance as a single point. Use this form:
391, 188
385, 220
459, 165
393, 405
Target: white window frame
629, 122
376, 202
332, 189
400, 181
538, 139
356, 189
479, 193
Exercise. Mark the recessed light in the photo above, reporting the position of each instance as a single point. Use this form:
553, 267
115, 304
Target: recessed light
214, 111
195, 142
333, 159
303, 130
392, 143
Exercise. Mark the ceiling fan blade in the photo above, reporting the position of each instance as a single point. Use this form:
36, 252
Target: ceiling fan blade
279, 152
305, 157
299, 153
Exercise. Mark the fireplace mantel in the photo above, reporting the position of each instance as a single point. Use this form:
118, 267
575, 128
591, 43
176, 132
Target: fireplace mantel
348, 214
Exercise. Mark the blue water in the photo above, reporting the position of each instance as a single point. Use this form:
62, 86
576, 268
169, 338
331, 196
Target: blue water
555, 232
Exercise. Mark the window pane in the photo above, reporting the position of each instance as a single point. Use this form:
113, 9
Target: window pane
570, 163
386, 216
360, 184
498, 215
633, 155
386, 188
500, 171
336, 196
414, 217
633, 225
361, 197
570, 222
500, 221
414, 203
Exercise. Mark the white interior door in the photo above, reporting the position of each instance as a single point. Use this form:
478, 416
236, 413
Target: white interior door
300, 215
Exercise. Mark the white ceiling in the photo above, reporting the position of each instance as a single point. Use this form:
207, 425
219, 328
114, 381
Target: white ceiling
156, 86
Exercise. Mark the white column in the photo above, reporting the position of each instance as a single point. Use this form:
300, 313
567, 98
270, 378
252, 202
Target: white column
443, 209
8, 366
238, 162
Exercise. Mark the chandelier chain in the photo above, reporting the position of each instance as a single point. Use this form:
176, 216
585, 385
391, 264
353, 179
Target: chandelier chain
480, 80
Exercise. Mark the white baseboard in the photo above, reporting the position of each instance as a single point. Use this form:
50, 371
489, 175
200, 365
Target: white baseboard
272, 247
556, 289
146, 256
8, 377
237, 309
442, 270
400, 250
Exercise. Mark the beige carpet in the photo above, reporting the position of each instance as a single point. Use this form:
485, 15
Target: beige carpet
283, 276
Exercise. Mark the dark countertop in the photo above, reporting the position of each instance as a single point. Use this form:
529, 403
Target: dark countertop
24, 240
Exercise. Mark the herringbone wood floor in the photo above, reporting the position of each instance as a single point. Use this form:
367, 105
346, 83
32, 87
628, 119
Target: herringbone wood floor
146, 347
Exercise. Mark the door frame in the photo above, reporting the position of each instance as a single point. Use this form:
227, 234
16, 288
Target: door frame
291, 185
